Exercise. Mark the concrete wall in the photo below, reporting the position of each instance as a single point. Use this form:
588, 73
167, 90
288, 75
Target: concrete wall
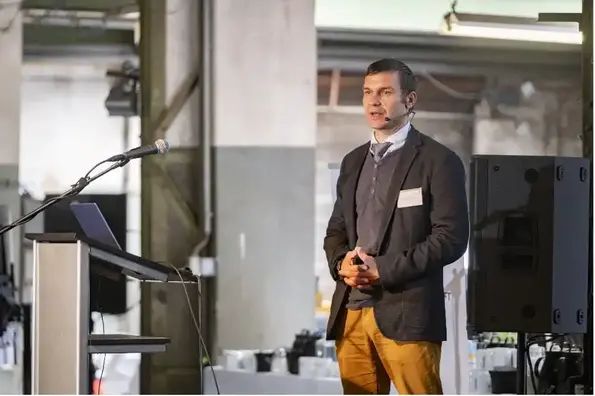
265, 136
65, 127
10, 81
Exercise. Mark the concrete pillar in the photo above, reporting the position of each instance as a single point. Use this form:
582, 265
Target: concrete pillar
169, 48
11, 50
264, 162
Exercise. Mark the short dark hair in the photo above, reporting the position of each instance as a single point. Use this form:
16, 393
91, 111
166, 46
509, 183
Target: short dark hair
407, 79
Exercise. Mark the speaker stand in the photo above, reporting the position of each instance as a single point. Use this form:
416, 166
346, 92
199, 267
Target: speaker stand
521, 372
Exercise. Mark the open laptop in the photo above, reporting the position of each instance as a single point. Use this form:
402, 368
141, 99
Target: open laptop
94, 226
93, 223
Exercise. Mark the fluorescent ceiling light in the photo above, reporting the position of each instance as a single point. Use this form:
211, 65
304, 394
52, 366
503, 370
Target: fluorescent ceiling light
131, 15
510, 28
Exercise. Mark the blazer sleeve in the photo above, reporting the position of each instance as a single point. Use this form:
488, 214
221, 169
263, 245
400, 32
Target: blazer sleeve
336, 242
449, 236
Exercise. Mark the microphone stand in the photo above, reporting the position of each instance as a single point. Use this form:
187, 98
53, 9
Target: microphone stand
76, 189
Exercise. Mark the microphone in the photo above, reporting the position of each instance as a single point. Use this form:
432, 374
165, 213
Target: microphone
387, 119
159, 147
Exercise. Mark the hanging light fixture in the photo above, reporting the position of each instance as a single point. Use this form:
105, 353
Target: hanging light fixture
509, 28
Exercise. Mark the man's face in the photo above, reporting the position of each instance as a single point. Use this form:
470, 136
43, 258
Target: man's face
382, 98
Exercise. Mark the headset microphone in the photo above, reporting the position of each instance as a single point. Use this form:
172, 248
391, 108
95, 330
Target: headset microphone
387, 119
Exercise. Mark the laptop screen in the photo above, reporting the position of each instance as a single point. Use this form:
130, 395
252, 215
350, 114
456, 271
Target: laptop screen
93, 223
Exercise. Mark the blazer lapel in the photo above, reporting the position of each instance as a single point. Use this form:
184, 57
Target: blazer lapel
408, 154
351, 188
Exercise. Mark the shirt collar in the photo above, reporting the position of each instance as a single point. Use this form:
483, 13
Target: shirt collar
398, 137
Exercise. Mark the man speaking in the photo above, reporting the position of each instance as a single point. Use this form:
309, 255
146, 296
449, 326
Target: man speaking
400, 216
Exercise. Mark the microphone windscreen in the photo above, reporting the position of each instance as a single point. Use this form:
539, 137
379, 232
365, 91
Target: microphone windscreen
162, 146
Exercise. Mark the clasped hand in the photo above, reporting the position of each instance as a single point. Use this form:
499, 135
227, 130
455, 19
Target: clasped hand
360, 276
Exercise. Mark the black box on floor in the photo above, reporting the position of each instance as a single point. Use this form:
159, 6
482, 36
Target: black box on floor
528, 254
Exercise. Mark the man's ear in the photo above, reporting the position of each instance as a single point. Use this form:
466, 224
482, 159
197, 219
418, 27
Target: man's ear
411, 100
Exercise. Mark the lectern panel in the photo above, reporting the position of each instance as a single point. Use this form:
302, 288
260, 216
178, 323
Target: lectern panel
61, 318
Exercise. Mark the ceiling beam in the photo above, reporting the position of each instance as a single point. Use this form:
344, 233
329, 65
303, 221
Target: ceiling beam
65, 41
353, 50
109, 6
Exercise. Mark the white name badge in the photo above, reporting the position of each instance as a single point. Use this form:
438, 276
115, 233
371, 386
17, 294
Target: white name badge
409, 198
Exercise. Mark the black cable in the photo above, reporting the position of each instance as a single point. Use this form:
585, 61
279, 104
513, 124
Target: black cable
197, 327
532, 368
97, 165
532, 372
100, 383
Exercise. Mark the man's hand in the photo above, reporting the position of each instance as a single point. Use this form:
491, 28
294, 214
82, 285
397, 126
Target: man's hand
360, 276
368, 270
350, 271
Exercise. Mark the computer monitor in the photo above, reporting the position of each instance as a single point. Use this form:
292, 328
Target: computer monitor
93, 223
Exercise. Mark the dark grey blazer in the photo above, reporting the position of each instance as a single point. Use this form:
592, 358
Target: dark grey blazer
416, 241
